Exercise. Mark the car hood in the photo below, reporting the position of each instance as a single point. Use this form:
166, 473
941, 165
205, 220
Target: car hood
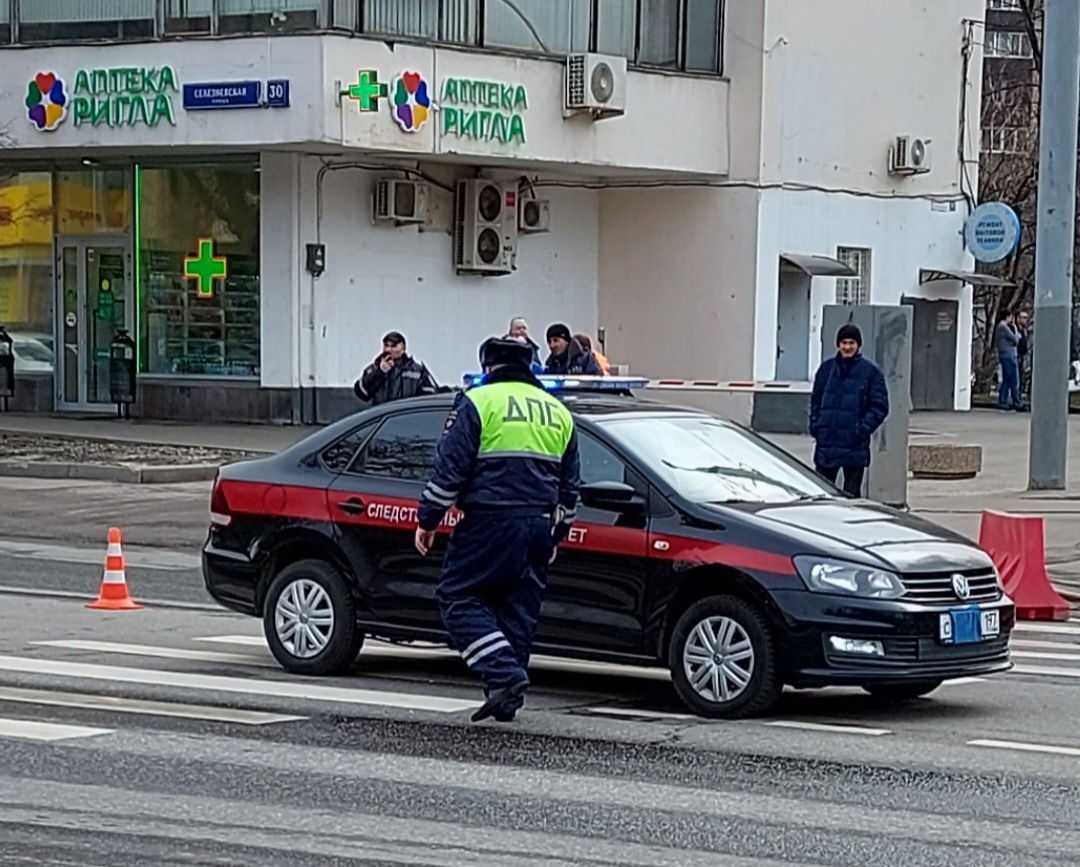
868, 532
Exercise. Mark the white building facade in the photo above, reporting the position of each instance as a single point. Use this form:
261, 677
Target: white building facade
255, 196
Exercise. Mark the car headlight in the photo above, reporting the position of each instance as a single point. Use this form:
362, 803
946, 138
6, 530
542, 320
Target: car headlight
834, 576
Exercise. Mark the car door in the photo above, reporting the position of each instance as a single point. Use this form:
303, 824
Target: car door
374, 506
597, 584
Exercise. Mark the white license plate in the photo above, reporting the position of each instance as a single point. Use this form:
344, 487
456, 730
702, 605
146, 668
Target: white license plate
967, 625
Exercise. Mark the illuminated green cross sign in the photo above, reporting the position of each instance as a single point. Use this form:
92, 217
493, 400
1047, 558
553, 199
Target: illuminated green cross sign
206, 268
368, 90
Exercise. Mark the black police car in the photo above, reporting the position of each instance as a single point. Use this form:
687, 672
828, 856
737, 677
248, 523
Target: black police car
699, 547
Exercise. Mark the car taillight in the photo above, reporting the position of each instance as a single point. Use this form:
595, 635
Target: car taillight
219, 505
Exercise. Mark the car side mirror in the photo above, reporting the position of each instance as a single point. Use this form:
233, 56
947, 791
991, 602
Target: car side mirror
611, 497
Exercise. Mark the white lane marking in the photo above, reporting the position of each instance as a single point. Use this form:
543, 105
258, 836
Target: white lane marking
247, 686
630, 713
34, 592
30, 730
826, 727
1049, 628
164, 560
1043, 670
158, 652
1047, 645
551, 663
1039, 654
141, 706
1020, 746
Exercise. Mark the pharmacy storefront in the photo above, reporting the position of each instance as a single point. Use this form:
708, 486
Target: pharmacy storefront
225, 205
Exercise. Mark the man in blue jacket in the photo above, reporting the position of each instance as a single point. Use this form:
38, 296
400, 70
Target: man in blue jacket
508, 458
849, 402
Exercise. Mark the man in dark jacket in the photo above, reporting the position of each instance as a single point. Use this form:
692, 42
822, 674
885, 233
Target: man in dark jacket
394, 374
508, 458
568, 356
849, 402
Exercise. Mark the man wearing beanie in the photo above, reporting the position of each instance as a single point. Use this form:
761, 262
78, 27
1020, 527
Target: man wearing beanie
567, 355
850, 401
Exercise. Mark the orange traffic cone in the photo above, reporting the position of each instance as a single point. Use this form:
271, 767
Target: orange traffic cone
113, 595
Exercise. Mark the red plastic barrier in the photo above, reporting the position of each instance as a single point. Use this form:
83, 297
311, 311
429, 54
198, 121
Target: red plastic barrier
1016, 544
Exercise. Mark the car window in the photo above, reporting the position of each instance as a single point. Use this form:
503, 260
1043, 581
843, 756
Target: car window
403, 448
707, 460
598, 462
338, 455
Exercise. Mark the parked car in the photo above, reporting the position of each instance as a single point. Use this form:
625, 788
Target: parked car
699, 547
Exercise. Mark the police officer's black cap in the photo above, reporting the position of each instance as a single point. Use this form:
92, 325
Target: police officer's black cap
504, 350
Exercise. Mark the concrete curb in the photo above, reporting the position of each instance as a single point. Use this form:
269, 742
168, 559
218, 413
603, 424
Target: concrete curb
135, 475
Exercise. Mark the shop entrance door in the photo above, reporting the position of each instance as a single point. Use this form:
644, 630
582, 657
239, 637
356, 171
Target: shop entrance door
94, 289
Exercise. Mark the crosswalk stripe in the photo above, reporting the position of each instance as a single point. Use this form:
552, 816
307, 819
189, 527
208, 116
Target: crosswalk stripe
306, 691
1022, 746
1049, 645
1046, 671
115, 704
31, 730
158, 652
1039, 654
1050, 628
828, 727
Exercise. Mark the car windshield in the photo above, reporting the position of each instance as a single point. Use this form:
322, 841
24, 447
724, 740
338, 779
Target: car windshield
32, 350
707, 460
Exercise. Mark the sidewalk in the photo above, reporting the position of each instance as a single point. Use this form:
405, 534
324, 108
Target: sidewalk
1001, 485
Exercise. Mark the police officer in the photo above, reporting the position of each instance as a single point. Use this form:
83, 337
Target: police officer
508, 457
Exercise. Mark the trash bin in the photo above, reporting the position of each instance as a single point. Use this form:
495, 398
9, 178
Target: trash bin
7, 366
122, 373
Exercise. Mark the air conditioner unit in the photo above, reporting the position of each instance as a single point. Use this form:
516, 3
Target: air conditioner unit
399, 201
595, 85
485, 227
534, 215
909, 156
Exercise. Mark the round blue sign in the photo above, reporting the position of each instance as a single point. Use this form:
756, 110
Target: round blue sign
992, 232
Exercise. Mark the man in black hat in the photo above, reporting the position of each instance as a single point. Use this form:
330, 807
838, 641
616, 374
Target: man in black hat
508, 458
849, 402
394, 374
568, 356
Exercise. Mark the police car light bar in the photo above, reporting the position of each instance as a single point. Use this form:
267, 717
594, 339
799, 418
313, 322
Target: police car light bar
575, 383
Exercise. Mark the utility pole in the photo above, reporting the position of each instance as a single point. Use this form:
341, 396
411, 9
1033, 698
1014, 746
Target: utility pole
1055, 239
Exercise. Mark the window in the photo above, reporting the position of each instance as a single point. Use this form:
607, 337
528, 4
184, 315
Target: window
598, 462
1007, 43
854, 290
702, 36
339, 455
404, 447
5, 22
209, 216
550, 26
268, 16
616, 27
659, 33
707, 460
670, 34
26, 268
442, 20
1003, 4
49, 20
188, 16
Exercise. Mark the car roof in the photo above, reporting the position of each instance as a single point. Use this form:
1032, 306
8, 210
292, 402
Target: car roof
591, 406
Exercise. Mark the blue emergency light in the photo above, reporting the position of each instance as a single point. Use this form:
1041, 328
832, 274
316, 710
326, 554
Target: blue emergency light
554, 382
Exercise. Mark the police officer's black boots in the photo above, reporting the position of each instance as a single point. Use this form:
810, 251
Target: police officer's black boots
494, 706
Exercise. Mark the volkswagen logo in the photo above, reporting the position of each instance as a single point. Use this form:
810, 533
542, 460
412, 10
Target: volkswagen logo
961, 587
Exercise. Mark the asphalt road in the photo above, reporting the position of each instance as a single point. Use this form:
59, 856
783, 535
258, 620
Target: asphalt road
169, 736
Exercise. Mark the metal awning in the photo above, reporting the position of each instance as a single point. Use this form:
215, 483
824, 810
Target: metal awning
931, 275
818, 266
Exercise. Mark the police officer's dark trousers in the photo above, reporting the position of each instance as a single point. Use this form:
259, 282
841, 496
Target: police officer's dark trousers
492, 585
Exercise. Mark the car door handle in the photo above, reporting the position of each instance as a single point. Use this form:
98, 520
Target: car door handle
351, 506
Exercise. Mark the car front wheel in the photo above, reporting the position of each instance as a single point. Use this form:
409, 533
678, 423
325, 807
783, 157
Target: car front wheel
310, 620
723, 659
898, 692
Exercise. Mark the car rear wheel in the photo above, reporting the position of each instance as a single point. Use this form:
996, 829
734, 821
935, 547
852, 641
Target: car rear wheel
723, 659
310, 620
897, 692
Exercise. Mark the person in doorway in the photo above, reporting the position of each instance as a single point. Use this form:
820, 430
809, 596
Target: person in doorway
567, 355
850, 401
601, 359
1023, 361
1007, 343
394, 374
519, 330
516, 475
